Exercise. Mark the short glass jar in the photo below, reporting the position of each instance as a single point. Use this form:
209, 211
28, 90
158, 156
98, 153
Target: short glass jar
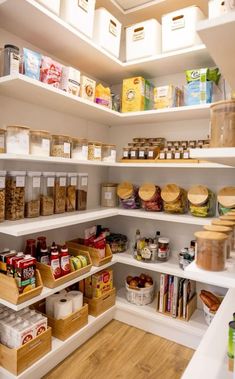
94, 151
163, 252
2, 141
143, 152
109, 153
32, 194
109, 195
126, 153
47, 193
71, 192
79, 149
15, 195
40, 143
61, 146
17, 139
60, 192
2, 195
202, 201
174, 199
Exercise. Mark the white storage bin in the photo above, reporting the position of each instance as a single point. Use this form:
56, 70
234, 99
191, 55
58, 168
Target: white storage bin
216, 8
179, 28
140, 296
79, 13
52, 5
107, 31
143, 40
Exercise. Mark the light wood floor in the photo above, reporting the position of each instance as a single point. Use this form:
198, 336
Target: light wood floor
119, 351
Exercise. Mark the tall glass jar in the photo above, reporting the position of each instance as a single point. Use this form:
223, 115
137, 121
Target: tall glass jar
60, 192
17, 139
40, 143
15, 195
82, 190
2, 195
32, 194
47, 193
79, 149
174, 199
71, 192
2, 141
61, 146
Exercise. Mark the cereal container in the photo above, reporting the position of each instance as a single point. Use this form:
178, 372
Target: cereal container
60, 192
47, 193
174, 199
128, 195
71, 192
2, 195
82, 189
211, 250
61, 146
150, 196
15, 195
17, 139
32, 194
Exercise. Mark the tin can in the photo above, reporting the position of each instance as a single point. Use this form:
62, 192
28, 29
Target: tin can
231, 339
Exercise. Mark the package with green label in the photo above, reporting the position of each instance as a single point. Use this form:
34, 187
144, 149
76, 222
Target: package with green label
137, 94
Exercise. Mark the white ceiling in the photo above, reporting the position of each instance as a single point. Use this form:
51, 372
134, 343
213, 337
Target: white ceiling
127, 5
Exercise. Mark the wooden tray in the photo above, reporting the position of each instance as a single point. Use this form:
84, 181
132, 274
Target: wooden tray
9, 289
18, 360
101, 304
94, 253
190, 308
157, 160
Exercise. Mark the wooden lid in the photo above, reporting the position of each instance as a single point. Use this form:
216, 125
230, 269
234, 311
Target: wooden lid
228, 218
170, 193
198, 195
223, 222
218, 228
147, 191
210, 235
226, 197
223, 102
125, 190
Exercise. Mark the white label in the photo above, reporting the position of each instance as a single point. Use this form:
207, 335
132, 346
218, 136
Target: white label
113, 28
113, 154
20, 181
150, 154
62, 182
141, 154
133, 153
186, 155
168, 155
178, 23
50, 182
84, 181
85, 151
36, 182
46, 145
125, 154
162, 155
97, 152
2, 142
83, 4
67, 148
177, 155
138, 34
108, 195
162, 253
73, 181
2, 182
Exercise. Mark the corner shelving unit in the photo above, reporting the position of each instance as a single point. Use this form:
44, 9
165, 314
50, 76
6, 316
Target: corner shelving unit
220, 155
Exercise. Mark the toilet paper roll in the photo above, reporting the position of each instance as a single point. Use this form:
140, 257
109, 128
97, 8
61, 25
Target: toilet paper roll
51, 300
77, 299
63, 308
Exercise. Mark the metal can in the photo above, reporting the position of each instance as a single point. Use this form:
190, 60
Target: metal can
231, 339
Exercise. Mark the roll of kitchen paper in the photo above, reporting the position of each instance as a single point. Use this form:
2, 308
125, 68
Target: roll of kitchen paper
51, 300
62, 308
77, 299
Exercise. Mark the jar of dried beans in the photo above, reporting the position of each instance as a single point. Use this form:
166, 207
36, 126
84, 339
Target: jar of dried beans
61, 146
60, 192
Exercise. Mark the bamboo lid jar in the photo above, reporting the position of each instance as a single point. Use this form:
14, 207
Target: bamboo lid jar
128, 195
226, 200
222, 229
201, 201
211, 250
174, 199
150, 196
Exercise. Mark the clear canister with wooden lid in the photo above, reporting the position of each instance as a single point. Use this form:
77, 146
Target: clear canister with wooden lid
109, 195
222, 229
228, 223
174, 199
226, 200
94, 151
40, 143
223, 124
202, 201
150, 196
128, 195
211, 250
61, 146
109, 153
2, 141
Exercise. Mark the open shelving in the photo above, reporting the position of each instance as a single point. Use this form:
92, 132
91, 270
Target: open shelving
219, 155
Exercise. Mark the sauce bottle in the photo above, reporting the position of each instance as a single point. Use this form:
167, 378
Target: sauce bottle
55, 262
44, 256
31, 247
64, 261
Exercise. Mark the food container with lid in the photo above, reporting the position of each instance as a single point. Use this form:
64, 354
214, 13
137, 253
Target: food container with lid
47, 193
109, 153
61, 146
134, 153
128, 195
163, 252
94, 151
2, 141
174, 199
82, 190
226, 200
79, 149
211, 250
152, 152
143, 151
202, 201
109, 195
40, 143
71, 191
60, 192
126, 153
222, 229
223, 124
17, 139
150, 196
32, 194
15, 195
118, 242
2, 195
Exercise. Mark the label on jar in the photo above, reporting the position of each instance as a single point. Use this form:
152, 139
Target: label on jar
73, 181
97, 152
150, 154
62, 182
84, 151
14, 63
163, 253
113, 154
141, 154
133, 153
186, 155
36, 182
169, 155
46, 145
108, 195
125, 154
83, 4
177, 155
2, 181
2, 142
50, 182
84, 181
20, 181
113, 28
67, 148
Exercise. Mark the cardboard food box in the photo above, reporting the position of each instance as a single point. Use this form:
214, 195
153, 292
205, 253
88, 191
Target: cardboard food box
137, 94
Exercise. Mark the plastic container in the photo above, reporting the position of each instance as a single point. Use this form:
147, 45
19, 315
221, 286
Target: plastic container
32, 194
71, 192
174, 199
47, 193
202, 201
128, 195
109, 153
94, 151
17, 139
143, 40
79, 149
60, 192
223, 229
52, 5
2, 141
2, 195
140, 296
10, 60
223, 124
15, 195
40, 143
61, 146
82, 190
109, 195
150, 196
79, 14
211, 250
179, 28
226, 200
107, 31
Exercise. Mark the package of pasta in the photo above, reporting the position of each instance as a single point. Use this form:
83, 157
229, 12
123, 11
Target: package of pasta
103, 96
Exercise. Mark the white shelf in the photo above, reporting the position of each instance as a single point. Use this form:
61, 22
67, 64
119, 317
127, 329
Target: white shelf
219, 155
216, 34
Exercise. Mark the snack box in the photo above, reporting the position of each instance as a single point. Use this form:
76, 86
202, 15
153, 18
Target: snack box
25, 274
102, 282
70, 80
164, 97
136, 94
88, 86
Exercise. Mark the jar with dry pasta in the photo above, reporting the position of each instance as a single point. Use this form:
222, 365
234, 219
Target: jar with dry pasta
82, 190
222, 229
150, 196
61, 146
32, 194
47, 193
128, 195
202, 201
174, 199
2, 141
60, 192
226, 200
94, 151
71, 192
211, 250
15, 195
2, 195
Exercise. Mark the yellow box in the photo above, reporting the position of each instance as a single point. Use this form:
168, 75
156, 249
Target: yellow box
163, 97
133, 94
102, 282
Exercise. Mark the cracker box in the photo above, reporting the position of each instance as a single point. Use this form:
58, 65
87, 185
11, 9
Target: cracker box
102, 282
133, 94
87, 88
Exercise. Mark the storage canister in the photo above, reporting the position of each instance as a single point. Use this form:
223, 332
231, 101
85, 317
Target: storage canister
223, 124
2, 195
17, 139
94, 151
61, 146
82, 190
126, 153
109, 153
226, 200
80, 149
211, 250
229, 224
47, 193
163, 252
230, 218
10, 60
71, 192
60, 192
128, 195
2, 141
32, 194
222, 229
150, 196
40, 143
15, 195
109, 195
201, 201
174, 199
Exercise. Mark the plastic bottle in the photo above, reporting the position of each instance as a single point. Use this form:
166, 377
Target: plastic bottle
64, 261
55, 262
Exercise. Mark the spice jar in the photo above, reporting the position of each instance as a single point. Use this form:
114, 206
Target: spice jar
109, 195
10, 60
47, 193
163, 249
211, 250
17, 139
223, 124
2, 141
152, 152
128, 195
109, 153
222, 229
32, 194
150, 196
201, 201
60, 192
94, 151
61, 146
226, 200
126, 153
82, 189
71, 192
80, 149
2, 195
143, 151
40, 143
15, 193
134, 153
174, 199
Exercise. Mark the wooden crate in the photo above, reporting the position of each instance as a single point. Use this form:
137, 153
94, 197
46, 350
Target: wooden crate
190, 308
48, 277
94, 253
9, 289
96, 306
18, 360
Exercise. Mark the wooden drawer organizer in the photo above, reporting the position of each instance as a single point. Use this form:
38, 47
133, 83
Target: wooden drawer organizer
9, 289
94, 253
96, 306
190, 308
18, 360
47, 274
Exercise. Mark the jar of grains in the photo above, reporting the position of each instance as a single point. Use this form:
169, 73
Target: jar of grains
17, 139
40, 143
32, 194
226, 200
47, 193
71, 192
211, 250
128, 195
109, 195
94, 150
61, 146
2, 195
109, 153
82, 190
15, 195
150, 196
174, 199
60, 192
2, 141
80, 149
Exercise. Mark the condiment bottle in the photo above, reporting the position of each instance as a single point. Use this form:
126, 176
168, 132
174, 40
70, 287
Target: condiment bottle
55, 262
64, 261
41, 243
44, 256
31, 247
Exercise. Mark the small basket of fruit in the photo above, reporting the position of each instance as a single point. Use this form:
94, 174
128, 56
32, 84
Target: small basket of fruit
140, 289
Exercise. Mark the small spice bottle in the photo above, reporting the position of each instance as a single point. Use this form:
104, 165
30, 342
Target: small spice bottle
125, 153
134, 153
152, 152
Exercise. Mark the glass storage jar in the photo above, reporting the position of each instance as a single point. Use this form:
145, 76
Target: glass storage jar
82, 190
60, 146
47, 193
223, 124
2, 195
174, 199
40, 143
109, 195
143, 151
32, 194
15, 195
94, 151
60, 192
79, 149
2, 141
202, 201
150, 196
226, 200
134, 153
128, 195
109, 153
17, 139
229, 224
163, 252
211, 250
71, 192
152, 152
222, 229
126, 153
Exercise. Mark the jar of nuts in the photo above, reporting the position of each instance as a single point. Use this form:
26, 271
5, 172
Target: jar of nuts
71, 192
47, 193
15, 194
60, 146
2, 195
94, 151
60, 192
32, 194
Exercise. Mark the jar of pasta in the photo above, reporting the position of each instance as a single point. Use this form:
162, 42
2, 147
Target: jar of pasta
40, 143
79, 149
32, 194
150, 196
128, 195
109, 153
60, 192
71, 192
2, 195
61, 146
15, 195
47, 193
2, 141
226, 200
174, 199
222, 229
94, 151
202, 201
211, 250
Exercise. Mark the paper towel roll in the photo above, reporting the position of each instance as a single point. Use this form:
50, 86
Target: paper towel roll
77, 299
51, 300
63, 308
